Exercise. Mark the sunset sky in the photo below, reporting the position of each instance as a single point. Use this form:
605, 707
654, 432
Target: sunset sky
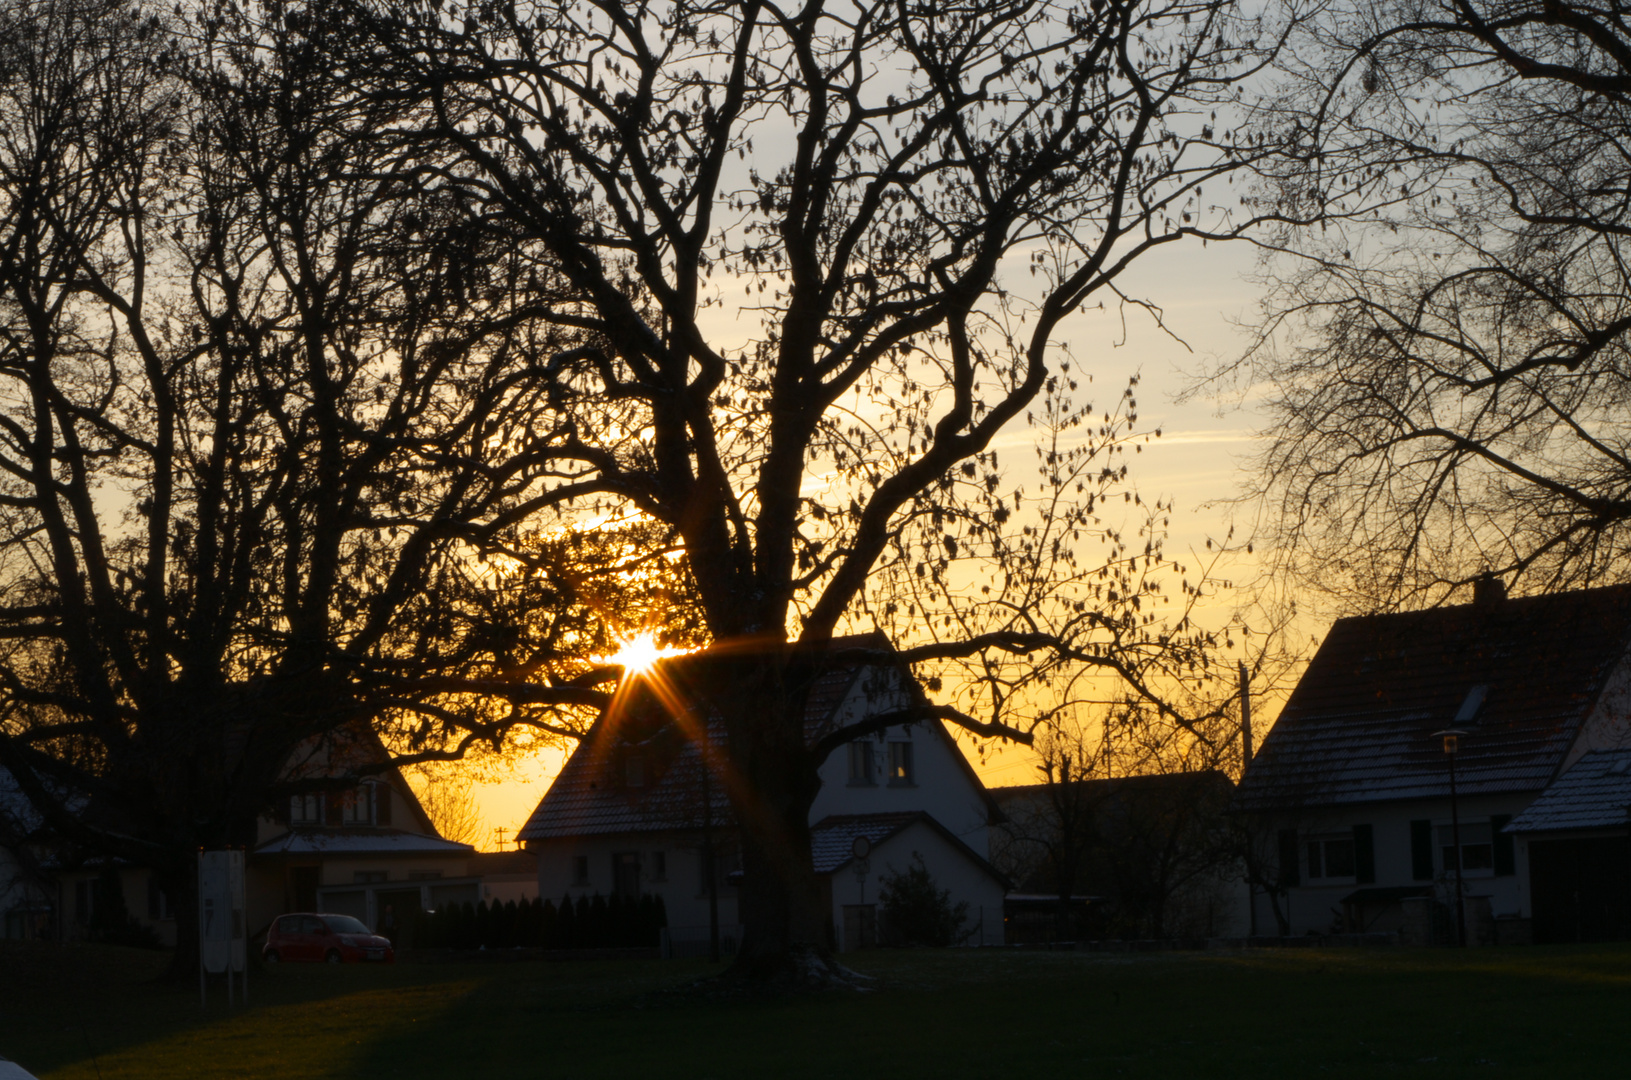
1197, 461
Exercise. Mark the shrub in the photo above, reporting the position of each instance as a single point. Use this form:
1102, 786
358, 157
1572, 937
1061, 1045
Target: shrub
917, 912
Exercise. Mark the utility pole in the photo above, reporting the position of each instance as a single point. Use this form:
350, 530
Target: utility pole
1245, 763
708, 865
1245, 717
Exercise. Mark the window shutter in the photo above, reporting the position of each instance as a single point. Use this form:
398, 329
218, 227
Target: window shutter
1288, 858
1364, 855
1506, 858
1421, 850
382, 804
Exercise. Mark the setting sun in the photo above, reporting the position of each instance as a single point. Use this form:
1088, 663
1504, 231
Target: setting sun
639, 653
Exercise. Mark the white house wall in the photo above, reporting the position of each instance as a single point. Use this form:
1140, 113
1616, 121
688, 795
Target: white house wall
950, 868
680, 886
942, 786
1609, 725
1316, 906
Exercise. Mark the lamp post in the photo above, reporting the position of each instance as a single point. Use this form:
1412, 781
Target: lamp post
1452, 745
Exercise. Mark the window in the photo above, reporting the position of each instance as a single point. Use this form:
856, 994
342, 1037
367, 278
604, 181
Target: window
424, 875
580, 870
900, 765
860, 764
1477, 846
1331, 857
306, 810
659, 866
357, 807
368, 877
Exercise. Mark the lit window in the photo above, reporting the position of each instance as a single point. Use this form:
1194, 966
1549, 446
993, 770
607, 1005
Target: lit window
1331, 857
860, 764
900, 765
1477, 846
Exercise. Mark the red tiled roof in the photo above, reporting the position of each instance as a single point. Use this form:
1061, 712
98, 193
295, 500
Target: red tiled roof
1359, 726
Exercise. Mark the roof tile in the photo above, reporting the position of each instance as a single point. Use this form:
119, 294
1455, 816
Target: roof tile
1359, 727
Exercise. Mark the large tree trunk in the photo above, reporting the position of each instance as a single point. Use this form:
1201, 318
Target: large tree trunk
773, 781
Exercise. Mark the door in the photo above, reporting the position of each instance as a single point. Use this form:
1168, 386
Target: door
303, 887
626, 874
395, 913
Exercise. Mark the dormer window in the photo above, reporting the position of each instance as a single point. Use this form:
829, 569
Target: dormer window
357, 806
306, 810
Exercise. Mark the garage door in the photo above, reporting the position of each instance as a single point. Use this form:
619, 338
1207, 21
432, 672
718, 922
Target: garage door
1579, 889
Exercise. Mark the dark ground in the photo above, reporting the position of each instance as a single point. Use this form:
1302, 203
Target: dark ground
84, 1011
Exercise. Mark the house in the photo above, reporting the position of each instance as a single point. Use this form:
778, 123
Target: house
1150, 857
505, 875
634, 810
353, 849
27, 893
1349, 797
1578, 838
351, 838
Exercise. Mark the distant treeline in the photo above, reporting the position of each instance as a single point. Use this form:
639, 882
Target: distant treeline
584, 923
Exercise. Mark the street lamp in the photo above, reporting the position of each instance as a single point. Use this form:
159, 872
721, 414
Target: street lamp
1452, 745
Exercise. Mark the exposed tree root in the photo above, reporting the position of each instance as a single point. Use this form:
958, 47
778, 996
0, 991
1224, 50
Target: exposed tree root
799, 970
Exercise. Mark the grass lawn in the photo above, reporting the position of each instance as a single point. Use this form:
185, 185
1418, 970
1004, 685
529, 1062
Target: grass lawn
89, 1012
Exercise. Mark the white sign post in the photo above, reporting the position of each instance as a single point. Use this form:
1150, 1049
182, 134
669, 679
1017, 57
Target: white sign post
223, 927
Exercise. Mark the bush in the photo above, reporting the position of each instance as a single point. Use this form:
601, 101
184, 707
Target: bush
915, 911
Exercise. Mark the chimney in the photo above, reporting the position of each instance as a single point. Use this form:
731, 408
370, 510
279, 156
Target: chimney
1488, 591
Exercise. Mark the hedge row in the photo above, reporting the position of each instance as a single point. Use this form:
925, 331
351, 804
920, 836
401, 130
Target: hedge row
584, 923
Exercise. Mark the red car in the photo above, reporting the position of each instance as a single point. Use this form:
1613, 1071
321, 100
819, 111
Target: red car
335, 939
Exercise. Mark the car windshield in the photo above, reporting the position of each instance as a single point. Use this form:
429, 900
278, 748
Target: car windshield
344, 924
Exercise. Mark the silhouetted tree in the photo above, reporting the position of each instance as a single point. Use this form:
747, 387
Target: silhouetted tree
912, 199
269, 404
1448, 355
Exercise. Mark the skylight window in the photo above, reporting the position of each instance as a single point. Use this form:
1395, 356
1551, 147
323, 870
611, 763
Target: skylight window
1473, 703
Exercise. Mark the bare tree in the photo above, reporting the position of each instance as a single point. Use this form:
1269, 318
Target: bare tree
449, 800
1448, 352
269, 407
821, 259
